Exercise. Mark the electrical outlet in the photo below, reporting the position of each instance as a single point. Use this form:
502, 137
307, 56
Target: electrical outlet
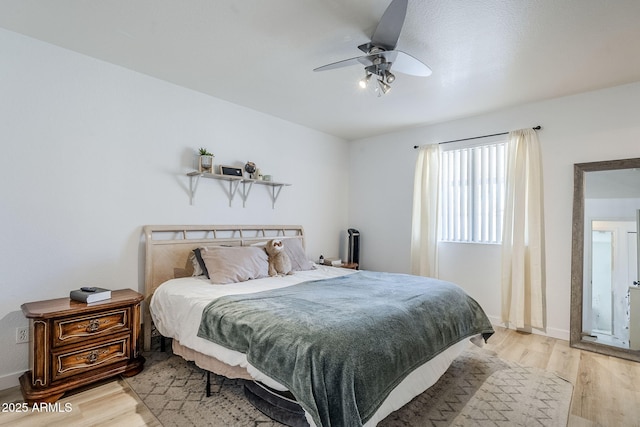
22, 335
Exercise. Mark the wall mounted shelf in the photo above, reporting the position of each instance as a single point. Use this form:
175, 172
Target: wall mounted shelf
231, 184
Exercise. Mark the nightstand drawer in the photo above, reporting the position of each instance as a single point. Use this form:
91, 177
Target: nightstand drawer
73, 362
80, 328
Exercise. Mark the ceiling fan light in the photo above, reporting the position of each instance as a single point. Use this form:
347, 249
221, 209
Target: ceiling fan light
384, 87
389, 77
364, 82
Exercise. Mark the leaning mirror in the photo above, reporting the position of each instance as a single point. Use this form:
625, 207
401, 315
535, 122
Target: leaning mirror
605, 296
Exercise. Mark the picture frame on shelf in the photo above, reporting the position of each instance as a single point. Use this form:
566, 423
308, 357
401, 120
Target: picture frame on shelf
230, 171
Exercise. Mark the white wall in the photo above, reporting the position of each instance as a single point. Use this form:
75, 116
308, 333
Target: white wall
600, 125
91, 152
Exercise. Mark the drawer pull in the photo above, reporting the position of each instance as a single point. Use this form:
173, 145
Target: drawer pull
93, 356
92, 326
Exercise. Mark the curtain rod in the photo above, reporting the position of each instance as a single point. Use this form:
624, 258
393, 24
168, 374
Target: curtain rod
478, 137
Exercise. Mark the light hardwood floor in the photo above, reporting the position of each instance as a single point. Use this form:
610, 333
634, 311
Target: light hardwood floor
109, 403
606, 390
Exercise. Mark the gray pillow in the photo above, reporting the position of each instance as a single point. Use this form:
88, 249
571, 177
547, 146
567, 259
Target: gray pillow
234, 264
196, 263
299, 260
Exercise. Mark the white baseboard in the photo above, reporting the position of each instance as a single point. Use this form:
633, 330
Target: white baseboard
560, 334
10, 380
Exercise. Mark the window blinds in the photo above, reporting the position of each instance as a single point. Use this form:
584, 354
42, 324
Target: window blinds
473, 186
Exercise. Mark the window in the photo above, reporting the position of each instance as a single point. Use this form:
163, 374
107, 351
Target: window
472, 194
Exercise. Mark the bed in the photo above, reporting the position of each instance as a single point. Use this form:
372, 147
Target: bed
344, 347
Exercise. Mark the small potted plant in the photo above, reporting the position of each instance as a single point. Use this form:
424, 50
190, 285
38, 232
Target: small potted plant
205, 161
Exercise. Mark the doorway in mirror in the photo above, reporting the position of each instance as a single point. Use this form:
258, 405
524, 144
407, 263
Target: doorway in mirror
613, 268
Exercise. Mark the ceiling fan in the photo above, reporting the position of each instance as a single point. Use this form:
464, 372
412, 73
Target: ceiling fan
381, 52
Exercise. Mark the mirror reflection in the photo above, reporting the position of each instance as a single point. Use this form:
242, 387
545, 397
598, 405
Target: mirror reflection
612, 199
606, 241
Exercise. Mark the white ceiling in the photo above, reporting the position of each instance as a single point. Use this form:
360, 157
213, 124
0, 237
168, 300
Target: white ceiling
485, 55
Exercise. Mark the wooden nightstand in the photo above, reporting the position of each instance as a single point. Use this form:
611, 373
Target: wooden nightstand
73, 344
351, 265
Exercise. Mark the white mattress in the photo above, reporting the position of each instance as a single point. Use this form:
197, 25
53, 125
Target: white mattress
177, 305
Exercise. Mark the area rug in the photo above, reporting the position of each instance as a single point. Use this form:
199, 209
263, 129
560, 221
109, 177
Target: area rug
478, 389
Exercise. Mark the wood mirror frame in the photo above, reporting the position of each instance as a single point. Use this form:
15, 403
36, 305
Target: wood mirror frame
577, 258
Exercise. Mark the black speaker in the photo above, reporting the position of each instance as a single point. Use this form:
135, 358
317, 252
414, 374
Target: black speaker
354, 246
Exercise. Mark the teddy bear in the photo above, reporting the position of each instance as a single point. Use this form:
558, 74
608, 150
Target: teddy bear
279, 262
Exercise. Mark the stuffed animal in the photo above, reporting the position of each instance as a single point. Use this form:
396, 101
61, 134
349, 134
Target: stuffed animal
279, 262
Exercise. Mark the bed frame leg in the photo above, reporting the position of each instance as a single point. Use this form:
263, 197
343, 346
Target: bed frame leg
208, 388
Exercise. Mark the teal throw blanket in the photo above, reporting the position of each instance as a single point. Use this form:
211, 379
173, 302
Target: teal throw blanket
341, 345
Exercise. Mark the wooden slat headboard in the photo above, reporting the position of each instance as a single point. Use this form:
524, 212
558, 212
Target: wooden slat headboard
167, 249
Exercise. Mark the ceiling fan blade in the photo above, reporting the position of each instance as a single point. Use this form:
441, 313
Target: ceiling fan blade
388, 30
381, 54
364, 60
406, 64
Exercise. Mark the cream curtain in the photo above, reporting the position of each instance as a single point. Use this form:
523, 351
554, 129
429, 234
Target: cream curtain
424, 229
523, 275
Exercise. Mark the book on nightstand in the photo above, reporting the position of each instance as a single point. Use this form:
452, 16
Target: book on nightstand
90, 294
